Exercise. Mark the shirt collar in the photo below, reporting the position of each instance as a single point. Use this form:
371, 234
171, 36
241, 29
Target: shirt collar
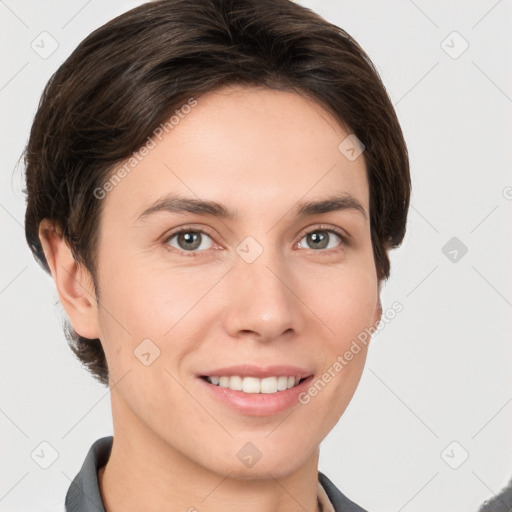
324, 502
84, 493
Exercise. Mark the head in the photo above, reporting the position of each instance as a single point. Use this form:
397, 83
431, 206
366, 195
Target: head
280, 118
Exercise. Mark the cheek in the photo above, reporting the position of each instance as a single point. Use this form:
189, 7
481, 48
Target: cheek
345, 301
145, 298
346, 306
149, 302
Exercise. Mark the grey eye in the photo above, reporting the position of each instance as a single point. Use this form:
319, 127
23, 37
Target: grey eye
189, 240
319, 239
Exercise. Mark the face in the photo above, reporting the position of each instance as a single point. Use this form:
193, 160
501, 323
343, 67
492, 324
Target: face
274, 290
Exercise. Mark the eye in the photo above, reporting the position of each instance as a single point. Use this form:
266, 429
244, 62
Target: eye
192, 241
189, 240
321, 238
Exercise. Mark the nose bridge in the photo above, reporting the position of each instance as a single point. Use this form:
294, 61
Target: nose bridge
261, 301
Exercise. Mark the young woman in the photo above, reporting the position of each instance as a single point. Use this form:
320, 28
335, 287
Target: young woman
214, 186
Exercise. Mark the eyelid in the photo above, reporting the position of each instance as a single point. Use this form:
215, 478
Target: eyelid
189, 227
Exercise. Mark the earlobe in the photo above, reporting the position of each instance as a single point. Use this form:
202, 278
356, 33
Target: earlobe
73, 281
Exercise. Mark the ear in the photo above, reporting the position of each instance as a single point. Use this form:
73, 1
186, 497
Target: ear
74, 283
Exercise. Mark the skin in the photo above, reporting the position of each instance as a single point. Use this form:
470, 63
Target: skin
258, 152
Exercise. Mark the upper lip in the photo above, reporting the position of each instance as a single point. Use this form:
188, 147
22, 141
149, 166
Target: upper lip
252, 370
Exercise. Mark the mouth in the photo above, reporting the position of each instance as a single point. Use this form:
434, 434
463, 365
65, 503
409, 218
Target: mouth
255, 385
255, 391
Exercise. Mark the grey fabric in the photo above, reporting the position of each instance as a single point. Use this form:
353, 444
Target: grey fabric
339, 501
84, 494
500, 503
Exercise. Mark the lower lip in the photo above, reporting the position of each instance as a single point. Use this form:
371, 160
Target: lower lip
258, 404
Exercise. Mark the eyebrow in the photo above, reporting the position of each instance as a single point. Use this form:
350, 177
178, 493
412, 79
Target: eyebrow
175, 204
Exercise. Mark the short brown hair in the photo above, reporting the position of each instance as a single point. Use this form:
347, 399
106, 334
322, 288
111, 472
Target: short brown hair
128, 76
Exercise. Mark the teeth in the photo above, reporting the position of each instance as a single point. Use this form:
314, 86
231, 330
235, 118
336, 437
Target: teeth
235, 383
250, 385
267, 385
282, 383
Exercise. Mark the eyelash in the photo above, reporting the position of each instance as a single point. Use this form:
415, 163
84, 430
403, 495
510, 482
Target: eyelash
191, 229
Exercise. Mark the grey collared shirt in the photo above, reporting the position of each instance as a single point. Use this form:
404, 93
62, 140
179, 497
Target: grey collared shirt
84, 493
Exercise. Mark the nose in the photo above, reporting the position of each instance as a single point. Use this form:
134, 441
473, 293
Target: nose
261, 304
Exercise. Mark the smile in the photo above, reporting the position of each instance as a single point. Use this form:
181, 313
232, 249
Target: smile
254, 385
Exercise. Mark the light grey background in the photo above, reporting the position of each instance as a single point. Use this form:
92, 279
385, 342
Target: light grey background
439, 373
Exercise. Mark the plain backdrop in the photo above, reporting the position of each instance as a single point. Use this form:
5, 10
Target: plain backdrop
429, 427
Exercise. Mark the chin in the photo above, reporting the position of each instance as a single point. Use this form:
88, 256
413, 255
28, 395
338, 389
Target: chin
262, 470
258, 460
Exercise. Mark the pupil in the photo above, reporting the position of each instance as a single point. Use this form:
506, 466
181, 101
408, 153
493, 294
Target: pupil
191, 240
314, 238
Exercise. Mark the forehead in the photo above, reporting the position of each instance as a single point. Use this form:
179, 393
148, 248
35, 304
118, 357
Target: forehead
252, 149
